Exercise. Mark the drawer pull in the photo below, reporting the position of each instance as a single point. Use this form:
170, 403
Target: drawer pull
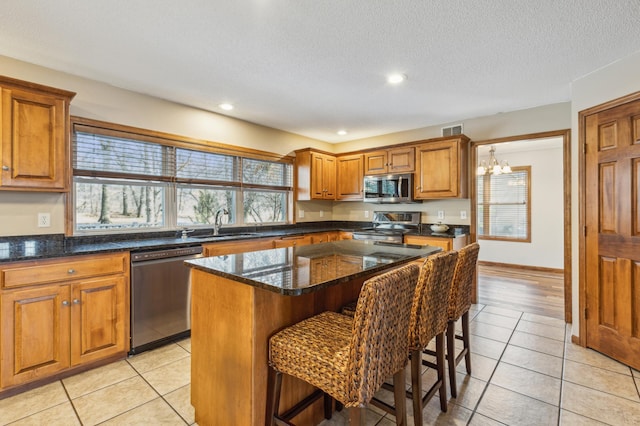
5, 168
76, 302
65, 303
71, 271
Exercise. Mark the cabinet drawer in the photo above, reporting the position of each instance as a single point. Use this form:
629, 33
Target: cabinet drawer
41, 272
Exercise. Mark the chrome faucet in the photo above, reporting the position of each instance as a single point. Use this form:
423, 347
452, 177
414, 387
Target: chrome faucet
185, 233
217, 222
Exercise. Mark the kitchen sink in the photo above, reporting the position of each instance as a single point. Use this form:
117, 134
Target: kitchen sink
227, 236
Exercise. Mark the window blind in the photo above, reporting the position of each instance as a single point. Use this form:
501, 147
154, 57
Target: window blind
108, 156
504, 205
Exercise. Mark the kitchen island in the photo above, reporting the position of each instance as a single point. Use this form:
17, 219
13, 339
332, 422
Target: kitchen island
240, 300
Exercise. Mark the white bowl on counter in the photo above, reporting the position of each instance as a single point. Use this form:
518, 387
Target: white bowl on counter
439, 227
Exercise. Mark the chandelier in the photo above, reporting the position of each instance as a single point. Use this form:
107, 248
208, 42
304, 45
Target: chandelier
494, 166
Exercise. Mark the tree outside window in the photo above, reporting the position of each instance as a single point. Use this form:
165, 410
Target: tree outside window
504, 205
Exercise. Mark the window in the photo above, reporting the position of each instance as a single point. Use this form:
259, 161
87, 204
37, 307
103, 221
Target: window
504, 205
128, 181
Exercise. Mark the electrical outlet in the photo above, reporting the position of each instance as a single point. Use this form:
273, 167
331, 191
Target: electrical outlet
366, 214
300, 214
463, 214
440, 214
321, 213
44, 220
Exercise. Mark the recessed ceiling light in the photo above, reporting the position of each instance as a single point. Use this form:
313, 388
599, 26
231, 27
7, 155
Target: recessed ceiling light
342, 132
396, 78
226, 107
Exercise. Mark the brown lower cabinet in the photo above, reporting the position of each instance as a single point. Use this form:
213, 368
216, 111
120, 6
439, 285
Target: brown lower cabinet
447, 244
76, 313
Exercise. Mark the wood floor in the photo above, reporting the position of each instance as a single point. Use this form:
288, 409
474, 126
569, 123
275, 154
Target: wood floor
525, 290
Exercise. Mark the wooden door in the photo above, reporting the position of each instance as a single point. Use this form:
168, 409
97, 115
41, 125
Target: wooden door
401, 160
99, 316
296, 241
34, 141
323, 176
35, 333
329, 177
444, 243
375, 162
612, 241
437, 170
350, 177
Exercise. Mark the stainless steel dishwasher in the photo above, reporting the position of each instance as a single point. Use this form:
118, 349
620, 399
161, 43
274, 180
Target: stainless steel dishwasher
160, 296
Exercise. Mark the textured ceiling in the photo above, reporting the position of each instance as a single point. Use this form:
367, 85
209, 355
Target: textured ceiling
313, 67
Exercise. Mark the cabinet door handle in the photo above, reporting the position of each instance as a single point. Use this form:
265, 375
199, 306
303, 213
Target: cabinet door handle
76, 302
65, 303
71, 271
5, 168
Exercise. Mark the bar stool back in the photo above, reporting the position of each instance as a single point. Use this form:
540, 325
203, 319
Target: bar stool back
348, 358
429, 320
459, 304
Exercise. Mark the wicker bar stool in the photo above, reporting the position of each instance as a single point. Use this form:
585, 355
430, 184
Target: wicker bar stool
459, 304
347, 358
428, 321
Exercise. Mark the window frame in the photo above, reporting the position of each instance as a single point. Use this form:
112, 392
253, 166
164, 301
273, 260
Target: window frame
486, 207
172, 182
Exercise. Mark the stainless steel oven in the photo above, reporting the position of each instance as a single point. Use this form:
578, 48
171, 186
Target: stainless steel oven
390, 227
160, 296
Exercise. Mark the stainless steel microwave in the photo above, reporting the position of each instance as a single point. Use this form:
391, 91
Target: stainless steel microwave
388, 188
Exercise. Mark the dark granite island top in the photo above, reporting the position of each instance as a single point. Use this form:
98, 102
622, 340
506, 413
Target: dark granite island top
294, 271
239, 301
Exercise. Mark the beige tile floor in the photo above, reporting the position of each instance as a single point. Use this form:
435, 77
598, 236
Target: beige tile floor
525, 372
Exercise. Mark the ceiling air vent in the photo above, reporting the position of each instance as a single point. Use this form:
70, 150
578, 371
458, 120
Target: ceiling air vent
452, 130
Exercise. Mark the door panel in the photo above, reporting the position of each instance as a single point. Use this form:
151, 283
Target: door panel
612, 241
98, 314
35, 334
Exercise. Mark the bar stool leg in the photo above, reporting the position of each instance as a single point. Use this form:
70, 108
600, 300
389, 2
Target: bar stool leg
451, 357
440, 356
274, 386
357, 416
465, 341
328, 406
399, 397
416, 386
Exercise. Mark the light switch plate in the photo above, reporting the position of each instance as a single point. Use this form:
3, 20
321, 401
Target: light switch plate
463, 214
321, 213
366, 214
440, 214
301, 213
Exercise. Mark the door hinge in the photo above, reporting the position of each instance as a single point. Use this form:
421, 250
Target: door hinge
585, 313
584, 231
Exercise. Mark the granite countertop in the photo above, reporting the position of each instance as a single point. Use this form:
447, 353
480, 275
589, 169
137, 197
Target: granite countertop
294, 271
35, 247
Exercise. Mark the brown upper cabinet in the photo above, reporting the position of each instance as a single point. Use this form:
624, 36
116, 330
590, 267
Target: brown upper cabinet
395, 160
34, 139
442, 168
315, 175
350, 177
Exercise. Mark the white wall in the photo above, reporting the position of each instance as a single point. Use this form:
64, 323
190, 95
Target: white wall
95, 100
103, 102
532, 120
546, 248
613, 81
